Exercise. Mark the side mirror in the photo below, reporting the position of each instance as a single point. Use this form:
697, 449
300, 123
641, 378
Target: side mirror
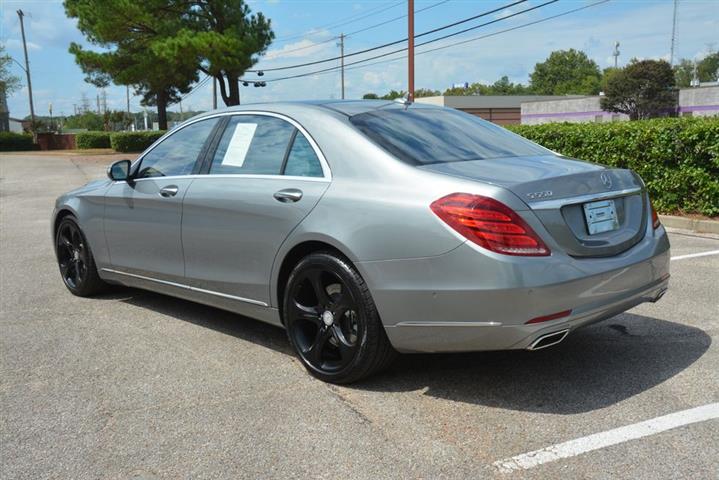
119, 171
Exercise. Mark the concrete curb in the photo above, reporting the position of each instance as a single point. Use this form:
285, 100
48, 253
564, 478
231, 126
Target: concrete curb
693, 224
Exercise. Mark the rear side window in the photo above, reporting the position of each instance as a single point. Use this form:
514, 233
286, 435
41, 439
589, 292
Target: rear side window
252, 144
422, 136
302, 160
176, 155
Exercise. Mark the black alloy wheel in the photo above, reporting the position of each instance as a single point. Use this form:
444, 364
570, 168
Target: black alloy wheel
332, 321
74, 257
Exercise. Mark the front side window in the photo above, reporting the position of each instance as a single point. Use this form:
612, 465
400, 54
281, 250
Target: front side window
252, 144
302, 160
177, 154
421, 136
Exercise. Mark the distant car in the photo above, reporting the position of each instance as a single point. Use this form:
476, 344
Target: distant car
369, 227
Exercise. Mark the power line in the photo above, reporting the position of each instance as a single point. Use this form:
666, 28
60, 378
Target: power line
395, 19
417, 45
199, 85
481, 37
370, 27
462, 42
389, 44
345, 21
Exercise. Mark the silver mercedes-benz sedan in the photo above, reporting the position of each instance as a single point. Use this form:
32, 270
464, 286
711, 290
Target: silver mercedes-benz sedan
367, 228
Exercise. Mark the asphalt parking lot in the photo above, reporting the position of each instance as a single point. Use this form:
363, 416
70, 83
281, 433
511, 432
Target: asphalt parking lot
136, 385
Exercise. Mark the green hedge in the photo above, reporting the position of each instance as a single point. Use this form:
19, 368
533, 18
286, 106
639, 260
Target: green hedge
13, 142
678, 158
133, 141
85, 140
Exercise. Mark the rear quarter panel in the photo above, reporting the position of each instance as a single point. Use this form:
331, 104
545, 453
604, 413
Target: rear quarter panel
376, 207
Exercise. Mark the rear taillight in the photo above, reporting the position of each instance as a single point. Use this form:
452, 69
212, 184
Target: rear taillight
655, 217
490, 224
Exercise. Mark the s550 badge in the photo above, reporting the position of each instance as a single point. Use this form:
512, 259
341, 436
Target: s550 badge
536, 195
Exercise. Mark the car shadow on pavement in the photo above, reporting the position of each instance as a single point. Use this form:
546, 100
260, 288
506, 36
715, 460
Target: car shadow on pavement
222, 321
593, 368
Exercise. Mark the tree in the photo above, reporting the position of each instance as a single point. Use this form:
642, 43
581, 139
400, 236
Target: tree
607, 75
394, 94
707, 70
129, 32
370, 96
566, 72
426, 92
642, 89
223, 38
8, 82
87, 120
503, 86
684, 73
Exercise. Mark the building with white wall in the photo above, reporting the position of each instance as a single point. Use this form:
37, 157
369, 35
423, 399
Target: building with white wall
700, 101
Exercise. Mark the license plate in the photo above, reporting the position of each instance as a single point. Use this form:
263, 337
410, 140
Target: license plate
601, 216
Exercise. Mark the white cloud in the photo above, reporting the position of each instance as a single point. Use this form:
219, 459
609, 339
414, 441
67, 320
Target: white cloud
15, 44
300, 49
504, 13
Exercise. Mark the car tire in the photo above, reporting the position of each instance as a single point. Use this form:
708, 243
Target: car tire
75, 260
332, 321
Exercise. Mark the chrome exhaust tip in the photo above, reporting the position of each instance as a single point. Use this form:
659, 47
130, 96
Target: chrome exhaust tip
549, 339
659, 295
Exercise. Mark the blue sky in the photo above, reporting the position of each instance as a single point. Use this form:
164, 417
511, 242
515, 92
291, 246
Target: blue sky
305, 31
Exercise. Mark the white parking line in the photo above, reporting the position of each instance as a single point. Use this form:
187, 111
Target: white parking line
694, 255
608, 438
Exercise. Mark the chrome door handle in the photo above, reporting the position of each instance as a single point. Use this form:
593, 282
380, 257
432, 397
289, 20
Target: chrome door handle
288, 195
169, 191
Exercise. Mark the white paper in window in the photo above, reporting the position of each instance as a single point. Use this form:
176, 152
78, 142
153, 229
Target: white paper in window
239, 144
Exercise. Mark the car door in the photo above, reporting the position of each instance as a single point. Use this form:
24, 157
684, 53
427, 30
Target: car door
143, 216
265, 176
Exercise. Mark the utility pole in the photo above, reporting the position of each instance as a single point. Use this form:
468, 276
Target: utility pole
342, 61
674, 33
97, 99
410, 50
214, 93
20, 15
615, 54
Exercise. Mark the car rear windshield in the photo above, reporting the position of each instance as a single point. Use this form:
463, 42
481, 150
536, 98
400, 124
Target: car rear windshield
421, 136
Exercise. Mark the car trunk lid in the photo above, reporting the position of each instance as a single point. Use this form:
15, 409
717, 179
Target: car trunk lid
589, 210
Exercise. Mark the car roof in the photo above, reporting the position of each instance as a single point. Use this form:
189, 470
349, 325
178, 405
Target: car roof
344, 107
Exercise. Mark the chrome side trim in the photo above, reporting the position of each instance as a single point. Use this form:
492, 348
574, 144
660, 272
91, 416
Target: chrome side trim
560, 202
448, 324
327, 172
187, 287
231, 175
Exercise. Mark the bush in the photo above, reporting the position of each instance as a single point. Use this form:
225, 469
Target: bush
678, 158
133, 141
85, 140
11, 142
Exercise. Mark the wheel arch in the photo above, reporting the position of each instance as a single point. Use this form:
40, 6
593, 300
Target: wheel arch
60, 215
292, 258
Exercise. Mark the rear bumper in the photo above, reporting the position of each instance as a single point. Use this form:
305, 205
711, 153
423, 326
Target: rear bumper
467, 300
